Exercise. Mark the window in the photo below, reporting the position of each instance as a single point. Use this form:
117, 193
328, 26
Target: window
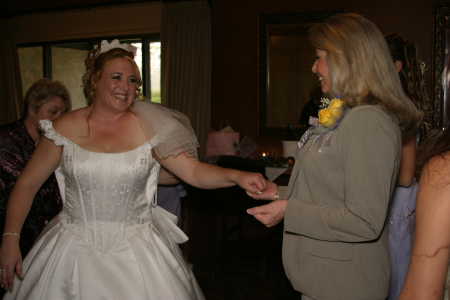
31, 67
65, 62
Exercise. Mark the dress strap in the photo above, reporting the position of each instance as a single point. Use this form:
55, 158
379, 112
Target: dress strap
47, 128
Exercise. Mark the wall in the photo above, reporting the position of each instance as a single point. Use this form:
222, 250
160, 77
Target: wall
111, 21
234, 48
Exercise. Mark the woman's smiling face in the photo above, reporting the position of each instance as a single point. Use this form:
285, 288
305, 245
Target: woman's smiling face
320, 67
117, 85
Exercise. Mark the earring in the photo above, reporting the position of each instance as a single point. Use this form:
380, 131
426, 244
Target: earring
422, 67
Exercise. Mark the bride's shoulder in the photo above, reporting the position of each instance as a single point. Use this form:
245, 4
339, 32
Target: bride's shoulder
72, 123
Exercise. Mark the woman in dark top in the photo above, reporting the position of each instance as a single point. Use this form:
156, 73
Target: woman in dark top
46, 99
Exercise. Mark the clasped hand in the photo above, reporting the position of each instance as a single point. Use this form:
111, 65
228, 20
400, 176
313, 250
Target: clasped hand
251, 182
270, 214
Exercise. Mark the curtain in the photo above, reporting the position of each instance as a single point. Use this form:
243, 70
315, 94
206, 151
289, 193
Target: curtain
11, 96
186, 63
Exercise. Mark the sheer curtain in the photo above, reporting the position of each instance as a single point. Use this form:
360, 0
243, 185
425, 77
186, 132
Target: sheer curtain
186, 63
11, 98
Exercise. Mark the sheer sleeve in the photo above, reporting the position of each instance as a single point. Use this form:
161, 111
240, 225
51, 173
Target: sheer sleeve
50, 133
170, 132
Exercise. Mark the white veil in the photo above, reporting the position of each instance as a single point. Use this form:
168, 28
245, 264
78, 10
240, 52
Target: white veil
169, 130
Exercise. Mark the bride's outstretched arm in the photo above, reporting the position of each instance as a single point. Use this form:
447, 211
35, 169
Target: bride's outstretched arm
41, 165
207, 176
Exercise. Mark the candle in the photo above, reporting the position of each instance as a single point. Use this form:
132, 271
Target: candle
263, 156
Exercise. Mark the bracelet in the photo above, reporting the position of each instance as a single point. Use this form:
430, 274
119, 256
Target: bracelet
12, 233
167, 177
164, 179
277, 193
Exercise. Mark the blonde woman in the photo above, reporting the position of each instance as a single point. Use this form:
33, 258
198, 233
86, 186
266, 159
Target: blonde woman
334, 209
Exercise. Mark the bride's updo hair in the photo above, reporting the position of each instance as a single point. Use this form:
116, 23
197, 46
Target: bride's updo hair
96, 63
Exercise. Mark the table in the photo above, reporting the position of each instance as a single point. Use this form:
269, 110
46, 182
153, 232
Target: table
273, 173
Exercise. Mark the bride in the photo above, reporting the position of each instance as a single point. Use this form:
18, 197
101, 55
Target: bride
110, 241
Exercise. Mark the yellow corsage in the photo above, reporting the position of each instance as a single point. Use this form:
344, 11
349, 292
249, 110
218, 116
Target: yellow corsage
326, 118
329, 115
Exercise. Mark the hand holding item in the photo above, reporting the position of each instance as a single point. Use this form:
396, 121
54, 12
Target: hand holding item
270, 214
253, 183
271, 192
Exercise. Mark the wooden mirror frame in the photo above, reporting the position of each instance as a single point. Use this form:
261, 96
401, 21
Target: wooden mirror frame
441, 37
263, 23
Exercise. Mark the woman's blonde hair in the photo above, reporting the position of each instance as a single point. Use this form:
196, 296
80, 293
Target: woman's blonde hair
361, 68
96, 64
43, 91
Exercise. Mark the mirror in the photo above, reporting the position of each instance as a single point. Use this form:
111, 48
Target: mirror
441, 48
288, 91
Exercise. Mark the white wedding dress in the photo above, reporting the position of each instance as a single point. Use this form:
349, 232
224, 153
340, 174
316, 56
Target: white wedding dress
110, 241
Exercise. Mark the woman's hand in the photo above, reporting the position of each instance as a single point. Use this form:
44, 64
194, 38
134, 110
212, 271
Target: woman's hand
268, 193
251, 182
270, 214
10, 259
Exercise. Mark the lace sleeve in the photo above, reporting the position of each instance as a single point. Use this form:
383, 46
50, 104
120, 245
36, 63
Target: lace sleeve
50, 133
170, 132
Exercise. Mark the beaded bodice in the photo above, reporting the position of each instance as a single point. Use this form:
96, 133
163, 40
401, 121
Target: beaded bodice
106, 196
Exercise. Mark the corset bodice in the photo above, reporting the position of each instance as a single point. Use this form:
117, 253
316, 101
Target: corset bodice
106, 195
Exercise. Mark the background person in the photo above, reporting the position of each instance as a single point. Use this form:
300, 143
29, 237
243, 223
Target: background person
410, 69
46, 99
169, 193
335, 242
311, 107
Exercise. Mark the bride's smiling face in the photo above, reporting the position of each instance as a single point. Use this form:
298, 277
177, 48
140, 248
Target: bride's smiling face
117, 85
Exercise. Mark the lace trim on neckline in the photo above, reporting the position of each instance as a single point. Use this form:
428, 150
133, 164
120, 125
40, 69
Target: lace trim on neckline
60, 140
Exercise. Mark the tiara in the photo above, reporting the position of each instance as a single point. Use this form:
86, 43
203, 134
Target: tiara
105, 47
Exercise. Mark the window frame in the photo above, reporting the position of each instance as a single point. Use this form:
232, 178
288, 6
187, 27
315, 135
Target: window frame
145, 40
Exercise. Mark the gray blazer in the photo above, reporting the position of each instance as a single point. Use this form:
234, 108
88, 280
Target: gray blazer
335, 242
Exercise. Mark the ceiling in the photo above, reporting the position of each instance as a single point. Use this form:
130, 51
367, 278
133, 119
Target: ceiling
11, 8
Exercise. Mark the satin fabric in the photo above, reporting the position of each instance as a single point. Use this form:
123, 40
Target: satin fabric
110, 241
401, 223
401, 235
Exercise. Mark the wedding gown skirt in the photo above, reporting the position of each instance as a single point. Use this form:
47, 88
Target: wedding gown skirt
110, 241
